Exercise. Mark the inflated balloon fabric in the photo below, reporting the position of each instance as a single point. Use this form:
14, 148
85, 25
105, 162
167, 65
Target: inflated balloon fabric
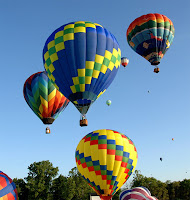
42, 97
150, 36
82, 59
137, 193
8, 189
106, 159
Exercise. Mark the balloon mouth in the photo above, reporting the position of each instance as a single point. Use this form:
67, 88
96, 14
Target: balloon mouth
155, 63
48, 120
105, 197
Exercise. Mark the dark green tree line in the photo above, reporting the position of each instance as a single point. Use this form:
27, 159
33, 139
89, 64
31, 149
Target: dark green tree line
42, 183
177, 190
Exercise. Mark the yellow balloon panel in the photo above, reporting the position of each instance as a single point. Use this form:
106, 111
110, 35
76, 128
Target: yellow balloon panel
106, 159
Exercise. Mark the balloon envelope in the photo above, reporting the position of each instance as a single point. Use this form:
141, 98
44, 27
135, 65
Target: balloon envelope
106, 159
124, 61
151, 36
108, 102
137, 193
43, 98
8, 189
81, 59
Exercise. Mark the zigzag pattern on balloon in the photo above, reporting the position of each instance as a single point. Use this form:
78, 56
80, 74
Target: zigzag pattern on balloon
8, 189
106, 159
42, 97
137, 193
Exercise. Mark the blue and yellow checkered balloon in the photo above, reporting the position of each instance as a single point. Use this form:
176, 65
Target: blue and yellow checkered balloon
81, 59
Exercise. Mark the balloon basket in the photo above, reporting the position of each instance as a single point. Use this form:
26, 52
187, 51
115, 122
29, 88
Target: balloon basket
83, 122
156, 70
48, 130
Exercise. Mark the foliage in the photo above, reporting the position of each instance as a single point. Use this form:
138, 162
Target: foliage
21, 188
165, 191
82, 189
63, 188
41, 184
39, 180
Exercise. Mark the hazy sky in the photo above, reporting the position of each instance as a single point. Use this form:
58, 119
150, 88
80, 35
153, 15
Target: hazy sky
151, 120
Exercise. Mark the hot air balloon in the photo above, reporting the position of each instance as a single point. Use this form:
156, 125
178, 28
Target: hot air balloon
172, 139
81, 59
160, 159
106, 159
108, 102
124, 61
151, 36
43, 98
8, 189
137, 193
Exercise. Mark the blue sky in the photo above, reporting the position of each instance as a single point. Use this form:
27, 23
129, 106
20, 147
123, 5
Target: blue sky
151, 120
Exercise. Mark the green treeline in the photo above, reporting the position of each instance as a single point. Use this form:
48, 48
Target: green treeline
42, 184
177, 190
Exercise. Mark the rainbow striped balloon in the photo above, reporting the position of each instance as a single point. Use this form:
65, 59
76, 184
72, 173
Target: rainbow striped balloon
151, 36
43, 98
8, 189
137, 193
106, 159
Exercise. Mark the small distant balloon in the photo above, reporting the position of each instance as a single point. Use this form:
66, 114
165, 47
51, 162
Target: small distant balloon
172, 139
160, 159
108, 102
124, 61
148, 91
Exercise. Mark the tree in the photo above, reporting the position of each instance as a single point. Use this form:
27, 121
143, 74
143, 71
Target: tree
82, 189
63, 188
39, 180
116, 195
173, 189
185, 189
21, 188
157, 188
